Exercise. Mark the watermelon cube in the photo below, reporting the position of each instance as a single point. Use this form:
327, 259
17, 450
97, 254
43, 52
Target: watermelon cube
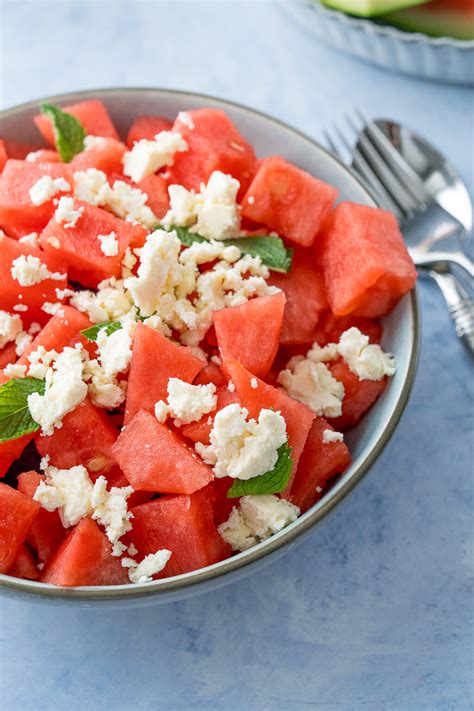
7, 355
155, 359
11, 450
211, 373
85, 558
104, 155
182, 524
16, 180
79, 247
91, 113
3, 155
153, 458
251, 332
46, 532
288, 200
359, 395
367, 268
17, 513
18, 150
24, 565
147, 127
318, 463
214, 144
158, 199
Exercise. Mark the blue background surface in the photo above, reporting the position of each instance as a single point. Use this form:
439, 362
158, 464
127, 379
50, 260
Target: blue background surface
375, 610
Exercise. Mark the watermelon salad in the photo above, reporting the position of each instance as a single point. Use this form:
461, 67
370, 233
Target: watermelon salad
186, 333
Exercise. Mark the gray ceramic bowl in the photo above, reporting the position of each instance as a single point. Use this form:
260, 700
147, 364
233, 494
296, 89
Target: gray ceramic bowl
401, 336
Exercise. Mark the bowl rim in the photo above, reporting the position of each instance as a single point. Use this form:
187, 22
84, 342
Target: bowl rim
367, 24
246, 559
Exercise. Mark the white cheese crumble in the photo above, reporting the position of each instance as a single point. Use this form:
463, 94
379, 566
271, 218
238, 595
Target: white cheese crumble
20, 307
161, 411
146, 157
188, 403
66, 213
258, 517
110, 510
231, 386
68, 490
39, 361
254, 383
115, 351
11, 326
151, 565
187, 119
250, 199
53, 308
332, 436
109, 244
12, 370
91, 142
28, 270
367, 360
46, 188
30, 239
64, 390
32, 156
314, 385
242, 448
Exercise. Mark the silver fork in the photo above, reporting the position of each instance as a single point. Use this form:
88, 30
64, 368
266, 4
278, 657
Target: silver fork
432, 234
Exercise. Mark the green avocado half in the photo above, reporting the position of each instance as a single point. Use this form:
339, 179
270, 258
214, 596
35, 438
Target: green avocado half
370, 8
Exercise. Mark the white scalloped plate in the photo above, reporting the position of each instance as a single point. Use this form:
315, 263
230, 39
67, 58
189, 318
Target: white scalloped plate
436, 58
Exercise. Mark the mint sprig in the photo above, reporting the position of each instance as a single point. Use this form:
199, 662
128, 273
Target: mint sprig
92, 332
271, 482
15, 418
271, 250
68, 131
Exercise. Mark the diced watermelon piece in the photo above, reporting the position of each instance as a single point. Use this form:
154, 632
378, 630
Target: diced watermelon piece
305, 299
31, 297
16, 207
106, 155
214, 144
158, 199
223, 505
46, 532
86, 437
17, 231
367, 268
330, 328
91, 113
155, 359
298, 417
17, 513
200, 431
11, 450
80, 248
7, 355
182, 524
211, 373
44, 155
18, 150
359, 395
3, 155
318, 463
147, 127
288, 200
85, 558
153, 458
251, 332
24, 565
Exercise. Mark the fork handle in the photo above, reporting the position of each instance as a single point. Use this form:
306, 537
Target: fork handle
460, 307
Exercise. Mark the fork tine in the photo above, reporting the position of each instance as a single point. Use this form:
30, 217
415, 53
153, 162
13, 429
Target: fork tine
395, 160
384, 173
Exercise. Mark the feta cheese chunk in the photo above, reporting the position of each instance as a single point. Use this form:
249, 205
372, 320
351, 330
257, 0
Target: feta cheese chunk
64, 389
151, 565
115, 351
110, 511
66, 213
332, 436
367, 360
242, 448
188, 403
91, 186
11, 326
258, 517
29, 270
69, 491
46, 188
218, 217
30, 239
146, 157
314, 385
109, 244
162, 411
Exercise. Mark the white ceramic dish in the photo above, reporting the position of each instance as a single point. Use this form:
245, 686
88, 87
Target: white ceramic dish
401, 336
436, 58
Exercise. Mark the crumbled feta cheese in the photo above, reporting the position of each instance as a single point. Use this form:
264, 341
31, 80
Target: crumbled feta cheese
109, 244
90, 186
52, 308
30, 239
146, 157
91, 142
332, 436
257, 518
35, 328
111, 302
66, 213
150, 565
40, 360
254, 383
216, 360
29, 270
129, 203
250, 199
161, 411
187, 119
115, 351
132, 550
46, 188
22, 341
11, 326
64, 389
188, 403
128, 262
33, 156
231, 386
12, 370
44, 462
314, 385
104, 390
241, 448
20, 307
367, 360
110, 511
69, 491
54, 242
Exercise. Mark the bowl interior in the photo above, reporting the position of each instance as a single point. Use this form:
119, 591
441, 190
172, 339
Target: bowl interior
366, 441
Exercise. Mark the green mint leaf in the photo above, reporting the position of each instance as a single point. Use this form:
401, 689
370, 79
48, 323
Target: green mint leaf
15, 418
68, 131
271, 250
109, 327
271, 482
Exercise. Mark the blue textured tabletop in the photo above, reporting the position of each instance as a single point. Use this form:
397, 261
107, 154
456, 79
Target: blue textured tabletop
374, 611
